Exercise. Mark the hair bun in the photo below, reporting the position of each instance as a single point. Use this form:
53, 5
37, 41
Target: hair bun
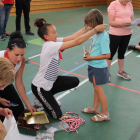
16, 34
39, 22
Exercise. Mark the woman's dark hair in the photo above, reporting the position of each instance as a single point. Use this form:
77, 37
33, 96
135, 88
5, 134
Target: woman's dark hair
16, 39
42, 27
93, 18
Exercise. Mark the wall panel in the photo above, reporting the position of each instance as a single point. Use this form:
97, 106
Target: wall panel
54, 5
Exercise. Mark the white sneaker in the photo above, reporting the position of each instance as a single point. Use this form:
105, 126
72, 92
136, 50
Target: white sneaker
59, 103
37, 102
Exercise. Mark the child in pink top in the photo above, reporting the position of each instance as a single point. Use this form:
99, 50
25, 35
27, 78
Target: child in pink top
120, 15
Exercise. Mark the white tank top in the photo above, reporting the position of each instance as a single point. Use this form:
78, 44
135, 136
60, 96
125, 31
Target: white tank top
17, 65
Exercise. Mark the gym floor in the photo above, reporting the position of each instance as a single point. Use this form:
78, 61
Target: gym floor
123, 96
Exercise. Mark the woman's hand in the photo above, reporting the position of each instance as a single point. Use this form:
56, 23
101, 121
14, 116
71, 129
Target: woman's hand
125, 24
1, 4
5, 112
4, 102
101, 28
31, 108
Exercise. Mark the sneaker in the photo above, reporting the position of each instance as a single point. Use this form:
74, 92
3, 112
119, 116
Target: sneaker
109, 77
131, 47
7, 35
2, 38
29, 33
37, 102
124, 75
27, 60
59, 103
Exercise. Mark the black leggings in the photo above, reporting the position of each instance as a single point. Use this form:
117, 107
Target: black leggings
120, 43
46, 97
9, 93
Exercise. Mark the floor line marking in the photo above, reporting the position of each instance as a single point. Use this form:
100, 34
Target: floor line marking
68, 91
135, 133
123, 88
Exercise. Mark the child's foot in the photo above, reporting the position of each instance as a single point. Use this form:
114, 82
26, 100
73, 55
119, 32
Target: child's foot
100, 117
91, 110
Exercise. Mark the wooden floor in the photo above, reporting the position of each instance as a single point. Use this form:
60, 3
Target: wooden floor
123, 96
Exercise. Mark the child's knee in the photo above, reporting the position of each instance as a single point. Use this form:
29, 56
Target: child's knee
76, 81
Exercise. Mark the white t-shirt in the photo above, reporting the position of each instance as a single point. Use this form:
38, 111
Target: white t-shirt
49, 65
17, 66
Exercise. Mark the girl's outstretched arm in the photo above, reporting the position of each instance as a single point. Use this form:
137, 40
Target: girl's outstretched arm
81, 39
75, 35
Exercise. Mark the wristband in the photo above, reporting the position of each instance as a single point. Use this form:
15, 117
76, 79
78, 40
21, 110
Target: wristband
95, 30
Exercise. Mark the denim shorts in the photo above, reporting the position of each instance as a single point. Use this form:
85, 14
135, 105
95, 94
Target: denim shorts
101, 75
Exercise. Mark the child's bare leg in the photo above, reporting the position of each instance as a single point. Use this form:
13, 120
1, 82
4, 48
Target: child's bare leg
109, 63
95, 103
103, 100
102, 97
96, 97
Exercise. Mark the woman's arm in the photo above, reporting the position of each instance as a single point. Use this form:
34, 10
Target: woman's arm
3, 131
117, 24
20, 87
1, 4
132, 17
81, 39
75, 35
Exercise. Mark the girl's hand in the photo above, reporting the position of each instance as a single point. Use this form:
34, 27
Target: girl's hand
86, 52
101, 28
138, 24
87, 58
31, 108
125, 24
5, 112
4, 102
